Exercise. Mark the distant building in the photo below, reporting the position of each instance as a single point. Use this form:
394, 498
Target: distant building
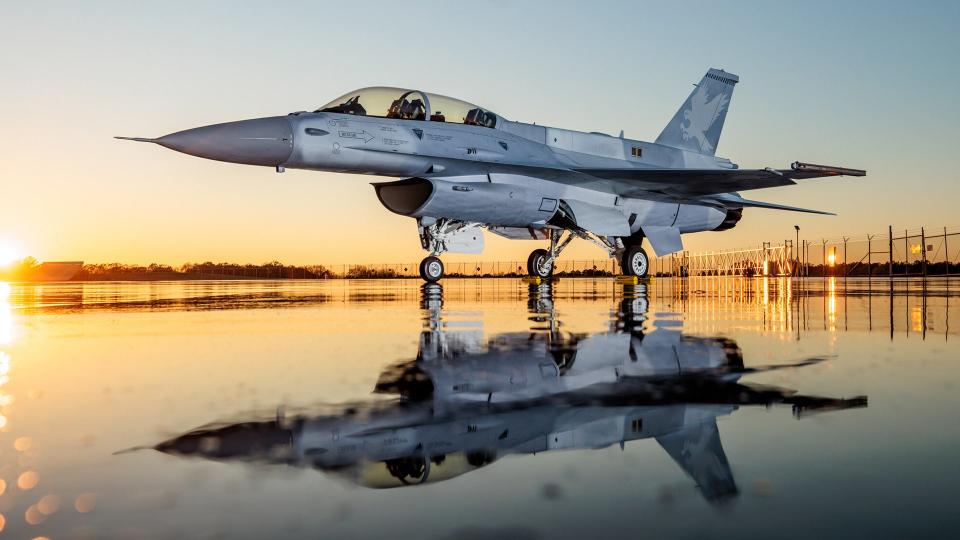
54, 271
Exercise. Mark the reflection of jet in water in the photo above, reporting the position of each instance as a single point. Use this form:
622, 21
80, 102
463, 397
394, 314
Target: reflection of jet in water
464, 405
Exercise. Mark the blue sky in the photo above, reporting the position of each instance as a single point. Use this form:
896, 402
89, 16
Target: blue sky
861, 84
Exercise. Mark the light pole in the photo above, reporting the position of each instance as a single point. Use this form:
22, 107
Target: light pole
795, 253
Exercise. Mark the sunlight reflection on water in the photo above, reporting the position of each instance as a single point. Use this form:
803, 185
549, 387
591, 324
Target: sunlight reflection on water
493, 405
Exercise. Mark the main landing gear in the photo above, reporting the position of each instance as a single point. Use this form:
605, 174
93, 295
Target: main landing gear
431, 269
634, 261
540, 262
435, 235
633, 258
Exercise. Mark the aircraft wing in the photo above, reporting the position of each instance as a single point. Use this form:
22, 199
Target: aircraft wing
666, 185
694, 183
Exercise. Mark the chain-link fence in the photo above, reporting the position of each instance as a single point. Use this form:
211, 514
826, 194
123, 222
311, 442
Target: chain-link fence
909, 252
905, 252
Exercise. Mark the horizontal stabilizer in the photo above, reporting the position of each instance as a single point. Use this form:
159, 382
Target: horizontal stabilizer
826, 170
735, 201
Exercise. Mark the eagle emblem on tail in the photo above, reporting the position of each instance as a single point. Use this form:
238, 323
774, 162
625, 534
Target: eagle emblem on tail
701, 115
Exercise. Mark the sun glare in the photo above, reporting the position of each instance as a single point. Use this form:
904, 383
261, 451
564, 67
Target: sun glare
8, 253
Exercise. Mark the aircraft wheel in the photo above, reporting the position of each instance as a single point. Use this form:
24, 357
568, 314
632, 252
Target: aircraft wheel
431, 269
539, 264
634, 262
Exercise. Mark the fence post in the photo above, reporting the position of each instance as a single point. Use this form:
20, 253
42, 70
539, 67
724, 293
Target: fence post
946, 250
869, 256
845, 238
923, 250
802, 258
890, 237
823, 272
906, 252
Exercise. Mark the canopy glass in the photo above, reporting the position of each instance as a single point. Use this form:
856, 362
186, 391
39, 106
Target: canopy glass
404, 104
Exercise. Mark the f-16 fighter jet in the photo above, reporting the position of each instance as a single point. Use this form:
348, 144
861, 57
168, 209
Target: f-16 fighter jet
463, 168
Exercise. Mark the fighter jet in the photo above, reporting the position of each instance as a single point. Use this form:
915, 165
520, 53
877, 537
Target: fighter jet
463, 168
465, 404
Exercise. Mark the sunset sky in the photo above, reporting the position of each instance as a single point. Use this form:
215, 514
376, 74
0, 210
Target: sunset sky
869, 85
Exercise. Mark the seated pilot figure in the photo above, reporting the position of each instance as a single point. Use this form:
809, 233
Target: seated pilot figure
479, 117
437, 117
407, 110
394, 110
416, 110
489, 120
471, 118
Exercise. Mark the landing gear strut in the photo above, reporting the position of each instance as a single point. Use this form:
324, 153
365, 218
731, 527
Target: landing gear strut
434, 235
540, 263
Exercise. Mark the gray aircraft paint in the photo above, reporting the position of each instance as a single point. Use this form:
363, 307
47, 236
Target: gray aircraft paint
698, 123
615, 187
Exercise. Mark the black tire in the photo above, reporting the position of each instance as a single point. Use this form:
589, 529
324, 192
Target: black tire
431, 269
634, 262
536, 266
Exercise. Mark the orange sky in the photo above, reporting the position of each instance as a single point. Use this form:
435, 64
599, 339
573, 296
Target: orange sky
864, 90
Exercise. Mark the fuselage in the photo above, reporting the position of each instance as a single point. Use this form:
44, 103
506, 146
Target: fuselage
458, 153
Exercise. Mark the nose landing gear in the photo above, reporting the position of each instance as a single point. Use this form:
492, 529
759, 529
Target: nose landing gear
540, 264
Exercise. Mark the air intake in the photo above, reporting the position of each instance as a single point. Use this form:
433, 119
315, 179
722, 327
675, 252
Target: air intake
405, 196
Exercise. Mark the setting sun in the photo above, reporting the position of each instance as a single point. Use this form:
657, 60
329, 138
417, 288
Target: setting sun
8, 253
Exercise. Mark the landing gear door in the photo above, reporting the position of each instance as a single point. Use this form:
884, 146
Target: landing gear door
468, 240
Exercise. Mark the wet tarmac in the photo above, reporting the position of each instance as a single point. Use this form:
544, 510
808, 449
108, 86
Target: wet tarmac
494, 408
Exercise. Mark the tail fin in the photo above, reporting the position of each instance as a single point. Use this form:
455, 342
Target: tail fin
698, 123
699, 451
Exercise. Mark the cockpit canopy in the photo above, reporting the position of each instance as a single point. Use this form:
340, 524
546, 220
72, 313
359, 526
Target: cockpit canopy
399, 103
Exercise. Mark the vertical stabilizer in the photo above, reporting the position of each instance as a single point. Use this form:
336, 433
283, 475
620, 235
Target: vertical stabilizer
699, 451
698, 123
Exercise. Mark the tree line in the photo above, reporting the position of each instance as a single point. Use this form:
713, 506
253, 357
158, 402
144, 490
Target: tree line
204, 270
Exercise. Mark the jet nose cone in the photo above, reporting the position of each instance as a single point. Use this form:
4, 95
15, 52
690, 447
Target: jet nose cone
263, 141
